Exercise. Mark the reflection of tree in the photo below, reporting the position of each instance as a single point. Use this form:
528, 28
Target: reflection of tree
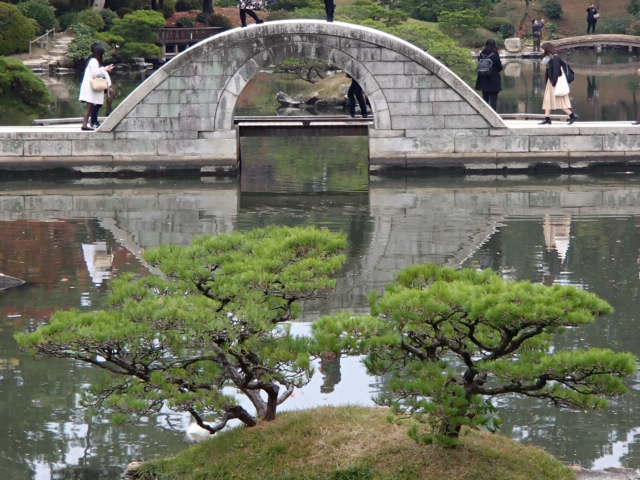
330, 369
603, 259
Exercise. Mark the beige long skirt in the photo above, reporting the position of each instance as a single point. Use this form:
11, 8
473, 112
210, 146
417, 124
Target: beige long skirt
551, 102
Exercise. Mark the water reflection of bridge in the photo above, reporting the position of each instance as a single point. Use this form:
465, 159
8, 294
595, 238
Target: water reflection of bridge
405, 221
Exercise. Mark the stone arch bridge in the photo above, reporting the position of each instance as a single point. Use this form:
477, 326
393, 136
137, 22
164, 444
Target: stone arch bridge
597, 41
424, 115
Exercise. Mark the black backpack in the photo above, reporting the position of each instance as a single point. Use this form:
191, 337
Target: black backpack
568, 72
485, 65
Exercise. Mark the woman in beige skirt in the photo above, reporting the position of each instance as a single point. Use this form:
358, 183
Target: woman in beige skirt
555, 68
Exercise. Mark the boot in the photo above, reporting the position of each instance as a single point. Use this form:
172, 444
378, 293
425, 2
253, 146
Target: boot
546, 121
572, 118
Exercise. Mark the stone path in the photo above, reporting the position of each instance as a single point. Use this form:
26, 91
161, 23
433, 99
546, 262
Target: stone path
44, 60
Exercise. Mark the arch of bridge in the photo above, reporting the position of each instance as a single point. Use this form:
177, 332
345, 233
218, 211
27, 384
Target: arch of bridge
196, 91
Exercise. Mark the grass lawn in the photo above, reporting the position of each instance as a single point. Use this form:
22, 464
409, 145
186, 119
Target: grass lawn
351, 443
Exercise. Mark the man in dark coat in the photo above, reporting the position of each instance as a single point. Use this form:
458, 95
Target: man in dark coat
488, 81
355, 92
592, 18
329, 8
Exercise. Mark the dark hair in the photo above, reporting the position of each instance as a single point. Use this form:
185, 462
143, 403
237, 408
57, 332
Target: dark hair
548, 48
490, 46
97, 52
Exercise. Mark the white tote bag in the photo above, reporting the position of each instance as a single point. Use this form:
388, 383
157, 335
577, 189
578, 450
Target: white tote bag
562, 86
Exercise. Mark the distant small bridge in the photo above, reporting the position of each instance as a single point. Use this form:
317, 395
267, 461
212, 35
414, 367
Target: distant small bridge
597, 41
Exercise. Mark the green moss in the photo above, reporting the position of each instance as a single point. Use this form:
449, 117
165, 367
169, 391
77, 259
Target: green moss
351, 443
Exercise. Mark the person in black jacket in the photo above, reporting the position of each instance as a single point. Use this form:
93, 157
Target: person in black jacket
592, 18
355, 92
489, 68
555, 68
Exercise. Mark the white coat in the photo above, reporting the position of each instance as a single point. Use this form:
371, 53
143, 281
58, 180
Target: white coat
87, 94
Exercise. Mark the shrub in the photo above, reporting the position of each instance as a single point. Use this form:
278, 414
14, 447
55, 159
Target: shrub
80, 47
40, 11
552, 9
123, 11
185, 22
110, 39
20, 88
494, 23
148, 51
108, 16
67, 19
634, 28
168, 8
618, 24
634, 7
186, 5
91, 18
15, 30
507, 30
289, 5
220, 21
139, 26
458, 22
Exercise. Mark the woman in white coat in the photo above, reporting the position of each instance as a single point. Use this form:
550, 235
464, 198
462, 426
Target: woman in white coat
94, 99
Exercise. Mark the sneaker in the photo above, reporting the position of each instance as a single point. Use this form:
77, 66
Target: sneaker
95, 125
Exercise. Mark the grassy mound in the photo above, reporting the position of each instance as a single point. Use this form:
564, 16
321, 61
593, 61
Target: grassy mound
351, 443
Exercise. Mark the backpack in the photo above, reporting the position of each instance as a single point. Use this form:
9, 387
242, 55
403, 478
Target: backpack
485, 65
568, 71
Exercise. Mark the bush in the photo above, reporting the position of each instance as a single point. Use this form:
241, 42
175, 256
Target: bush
552, 9
123, 11
507, 30
634, 28
458, 22
15, 30
185, 22
40, 11
494, 23
108, 16
20, 88
634, 7
139, 26
221, 21
289, 5
67, 19
168, 8
148, 51
618, 24
111, 40
91, 18
186, 5
80, 47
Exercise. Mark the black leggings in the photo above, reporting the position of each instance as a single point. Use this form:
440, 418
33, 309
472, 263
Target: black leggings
491, 98
591, 26
94, 114
329, 8
355, 92
243, 16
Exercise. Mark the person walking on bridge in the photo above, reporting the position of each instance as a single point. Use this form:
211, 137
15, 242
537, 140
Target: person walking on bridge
329, 8
556, 93
536, 33
95, 82
355, 92
247, 7
593, 14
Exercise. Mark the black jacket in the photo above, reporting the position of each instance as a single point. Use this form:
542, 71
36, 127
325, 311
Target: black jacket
490, 83
590, 14
554, 67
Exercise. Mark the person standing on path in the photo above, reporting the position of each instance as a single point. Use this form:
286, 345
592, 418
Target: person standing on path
355, 92
592, 18
329, 8
536, 33
247, 7
93, 98
489, 68
556, 69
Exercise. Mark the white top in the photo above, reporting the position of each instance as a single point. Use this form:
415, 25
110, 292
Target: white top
87, 94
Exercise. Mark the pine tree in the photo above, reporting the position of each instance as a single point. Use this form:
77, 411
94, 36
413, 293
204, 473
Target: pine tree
447, 341
206, 332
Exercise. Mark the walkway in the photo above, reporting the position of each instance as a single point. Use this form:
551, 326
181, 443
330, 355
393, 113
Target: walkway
44, 60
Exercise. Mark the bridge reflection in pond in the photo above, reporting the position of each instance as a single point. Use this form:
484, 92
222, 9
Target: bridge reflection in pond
576, 230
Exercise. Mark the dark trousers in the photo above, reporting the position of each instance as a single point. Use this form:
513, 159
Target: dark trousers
491, 98
591, 26
355, 92
536, 44
329, 8
243, 16
94, 114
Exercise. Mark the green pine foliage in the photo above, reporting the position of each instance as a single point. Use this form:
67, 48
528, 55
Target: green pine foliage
20, 88
15, 30
139, 26
91, 18
213, 320
448, 341
40, 11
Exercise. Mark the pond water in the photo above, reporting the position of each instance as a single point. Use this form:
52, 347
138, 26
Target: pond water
606, 87
67, 238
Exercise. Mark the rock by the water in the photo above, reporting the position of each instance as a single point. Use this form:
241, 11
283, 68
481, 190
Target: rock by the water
9, 282
614, 473
131, 472
513, 45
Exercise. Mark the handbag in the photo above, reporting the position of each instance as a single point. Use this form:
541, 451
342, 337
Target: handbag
99, 84
562, 86
596, 16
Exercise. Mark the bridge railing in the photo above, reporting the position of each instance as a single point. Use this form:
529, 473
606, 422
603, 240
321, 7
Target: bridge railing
185, 35
42, 40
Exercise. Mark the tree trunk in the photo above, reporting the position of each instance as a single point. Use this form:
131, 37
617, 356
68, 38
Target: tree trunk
242, 415
207, 6
272, 403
